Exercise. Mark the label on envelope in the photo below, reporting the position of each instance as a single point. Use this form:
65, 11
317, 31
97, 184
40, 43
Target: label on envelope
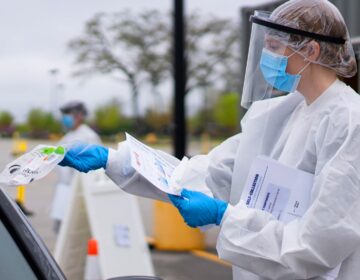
278, 189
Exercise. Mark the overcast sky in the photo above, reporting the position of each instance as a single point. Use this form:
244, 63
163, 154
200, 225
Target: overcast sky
34, 35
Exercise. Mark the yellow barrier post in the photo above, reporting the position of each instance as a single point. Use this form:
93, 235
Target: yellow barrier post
170, 231
19, 148
205, 145
20, 195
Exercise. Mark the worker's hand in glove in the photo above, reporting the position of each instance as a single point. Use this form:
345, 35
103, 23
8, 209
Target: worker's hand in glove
85, 157
198, 209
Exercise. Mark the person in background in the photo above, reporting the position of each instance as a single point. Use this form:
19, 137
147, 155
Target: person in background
74, 114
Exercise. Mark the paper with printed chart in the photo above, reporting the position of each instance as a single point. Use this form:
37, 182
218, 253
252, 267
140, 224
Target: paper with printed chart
280, 190
151, 165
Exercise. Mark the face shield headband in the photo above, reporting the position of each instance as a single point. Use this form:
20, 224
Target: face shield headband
290, 30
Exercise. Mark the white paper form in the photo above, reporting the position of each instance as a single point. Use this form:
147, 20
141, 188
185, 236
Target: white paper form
157, 170
151, 165
280, 190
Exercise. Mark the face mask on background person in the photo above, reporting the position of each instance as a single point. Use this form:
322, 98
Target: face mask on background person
68, 122
273, 67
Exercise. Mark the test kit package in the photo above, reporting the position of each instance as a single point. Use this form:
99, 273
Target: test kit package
32, 166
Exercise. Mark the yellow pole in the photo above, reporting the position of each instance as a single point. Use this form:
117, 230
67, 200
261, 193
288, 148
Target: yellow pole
205, 143
171, 233
20, 147
20, 194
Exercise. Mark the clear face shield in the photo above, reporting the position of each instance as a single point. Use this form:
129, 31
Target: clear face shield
270, 48
265, 75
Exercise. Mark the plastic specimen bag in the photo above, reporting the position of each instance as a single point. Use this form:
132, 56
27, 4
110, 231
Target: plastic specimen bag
32, 166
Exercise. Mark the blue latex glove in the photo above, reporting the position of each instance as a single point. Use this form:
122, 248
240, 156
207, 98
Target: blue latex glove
198, 209
85, 157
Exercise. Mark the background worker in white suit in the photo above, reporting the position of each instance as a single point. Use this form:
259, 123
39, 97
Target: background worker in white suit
73, 119
299, 49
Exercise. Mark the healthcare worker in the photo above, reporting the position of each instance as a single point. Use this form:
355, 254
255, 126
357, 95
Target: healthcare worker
299, 49
73, 119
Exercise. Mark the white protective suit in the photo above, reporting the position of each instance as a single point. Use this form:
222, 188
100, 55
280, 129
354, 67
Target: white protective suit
322, 138
65, 174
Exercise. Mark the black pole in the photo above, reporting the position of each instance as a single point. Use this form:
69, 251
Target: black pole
179, 141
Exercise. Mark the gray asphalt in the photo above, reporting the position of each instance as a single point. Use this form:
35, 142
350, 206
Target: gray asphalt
168, 265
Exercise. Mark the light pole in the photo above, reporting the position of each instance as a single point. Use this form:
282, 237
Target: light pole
56, 89
179, 65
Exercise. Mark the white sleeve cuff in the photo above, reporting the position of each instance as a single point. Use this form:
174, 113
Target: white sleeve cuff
119, 162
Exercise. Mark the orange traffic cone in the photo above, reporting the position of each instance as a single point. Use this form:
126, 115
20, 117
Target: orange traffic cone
92, 266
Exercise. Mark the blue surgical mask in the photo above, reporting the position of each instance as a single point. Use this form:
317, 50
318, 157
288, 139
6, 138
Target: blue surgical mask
68, 121
273, 67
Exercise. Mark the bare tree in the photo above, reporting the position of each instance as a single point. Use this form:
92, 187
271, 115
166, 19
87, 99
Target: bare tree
136, 49
128, 47
211, 51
